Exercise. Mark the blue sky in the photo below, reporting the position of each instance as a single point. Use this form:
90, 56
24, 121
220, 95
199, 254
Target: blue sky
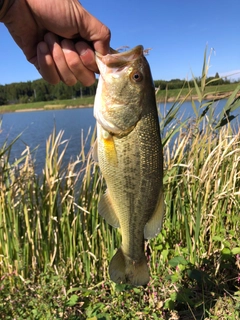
177, 31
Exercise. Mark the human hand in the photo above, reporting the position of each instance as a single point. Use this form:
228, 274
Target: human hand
59, 37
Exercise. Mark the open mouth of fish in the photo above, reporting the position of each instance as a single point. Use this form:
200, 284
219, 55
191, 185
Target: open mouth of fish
119, 60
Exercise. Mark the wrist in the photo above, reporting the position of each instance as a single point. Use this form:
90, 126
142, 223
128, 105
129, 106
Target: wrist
4, 6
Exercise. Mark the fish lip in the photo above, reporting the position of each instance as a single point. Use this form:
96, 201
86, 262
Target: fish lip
120, 59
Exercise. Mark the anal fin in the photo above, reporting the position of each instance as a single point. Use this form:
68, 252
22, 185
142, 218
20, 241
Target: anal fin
154, 225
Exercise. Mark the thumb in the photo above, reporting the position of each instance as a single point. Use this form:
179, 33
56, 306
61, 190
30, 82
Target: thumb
103, 44
93, 30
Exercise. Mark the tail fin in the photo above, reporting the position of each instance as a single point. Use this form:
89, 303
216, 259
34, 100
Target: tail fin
123, 269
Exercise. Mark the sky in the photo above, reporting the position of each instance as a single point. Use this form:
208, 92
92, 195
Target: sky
177, 31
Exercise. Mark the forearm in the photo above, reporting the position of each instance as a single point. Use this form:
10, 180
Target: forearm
4, 6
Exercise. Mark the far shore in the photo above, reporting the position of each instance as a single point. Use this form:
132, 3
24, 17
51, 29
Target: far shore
46, 108
225, 95
219, 96
55, 107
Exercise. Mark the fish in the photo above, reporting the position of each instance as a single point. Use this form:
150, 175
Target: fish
130, 156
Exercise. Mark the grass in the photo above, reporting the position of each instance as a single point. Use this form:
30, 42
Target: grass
55, 249
211, 91
85, 101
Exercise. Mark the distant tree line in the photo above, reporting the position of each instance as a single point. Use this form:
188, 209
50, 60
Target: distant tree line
178, 84
40, 90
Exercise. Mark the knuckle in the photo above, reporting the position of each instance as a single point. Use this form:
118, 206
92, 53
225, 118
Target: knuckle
73, 63
105, 33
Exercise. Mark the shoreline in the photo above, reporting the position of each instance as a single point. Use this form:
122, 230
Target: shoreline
195, 97
48, 108
159, 100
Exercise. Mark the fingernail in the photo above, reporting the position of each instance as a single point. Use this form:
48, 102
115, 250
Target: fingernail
83, 51
66, 50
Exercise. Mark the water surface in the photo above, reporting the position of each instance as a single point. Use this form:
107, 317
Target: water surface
36, 127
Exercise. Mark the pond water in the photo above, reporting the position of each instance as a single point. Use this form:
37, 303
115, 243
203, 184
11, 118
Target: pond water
36, 127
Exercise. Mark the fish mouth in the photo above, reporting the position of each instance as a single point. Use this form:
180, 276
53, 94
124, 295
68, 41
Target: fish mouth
117, 59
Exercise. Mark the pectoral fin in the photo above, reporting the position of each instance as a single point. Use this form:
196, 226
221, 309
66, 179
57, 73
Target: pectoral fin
95, 151
154, 225
108, 145
106, 210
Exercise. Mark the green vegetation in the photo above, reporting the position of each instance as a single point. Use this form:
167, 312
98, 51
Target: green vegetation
40, 90
213, 92
55, 249
36, 94
86, 101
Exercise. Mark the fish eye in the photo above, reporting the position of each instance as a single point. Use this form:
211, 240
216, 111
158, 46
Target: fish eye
136, 76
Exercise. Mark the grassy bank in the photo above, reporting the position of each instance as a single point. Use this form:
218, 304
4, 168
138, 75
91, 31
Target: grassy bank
55, 248
212, 92
47, 105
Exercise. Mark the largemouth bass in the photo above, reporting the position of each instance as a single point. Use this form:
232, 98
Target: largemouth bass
130, 157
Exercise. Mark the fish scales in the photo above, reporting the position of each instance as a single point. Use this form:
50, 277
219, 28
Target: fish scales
130, 158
